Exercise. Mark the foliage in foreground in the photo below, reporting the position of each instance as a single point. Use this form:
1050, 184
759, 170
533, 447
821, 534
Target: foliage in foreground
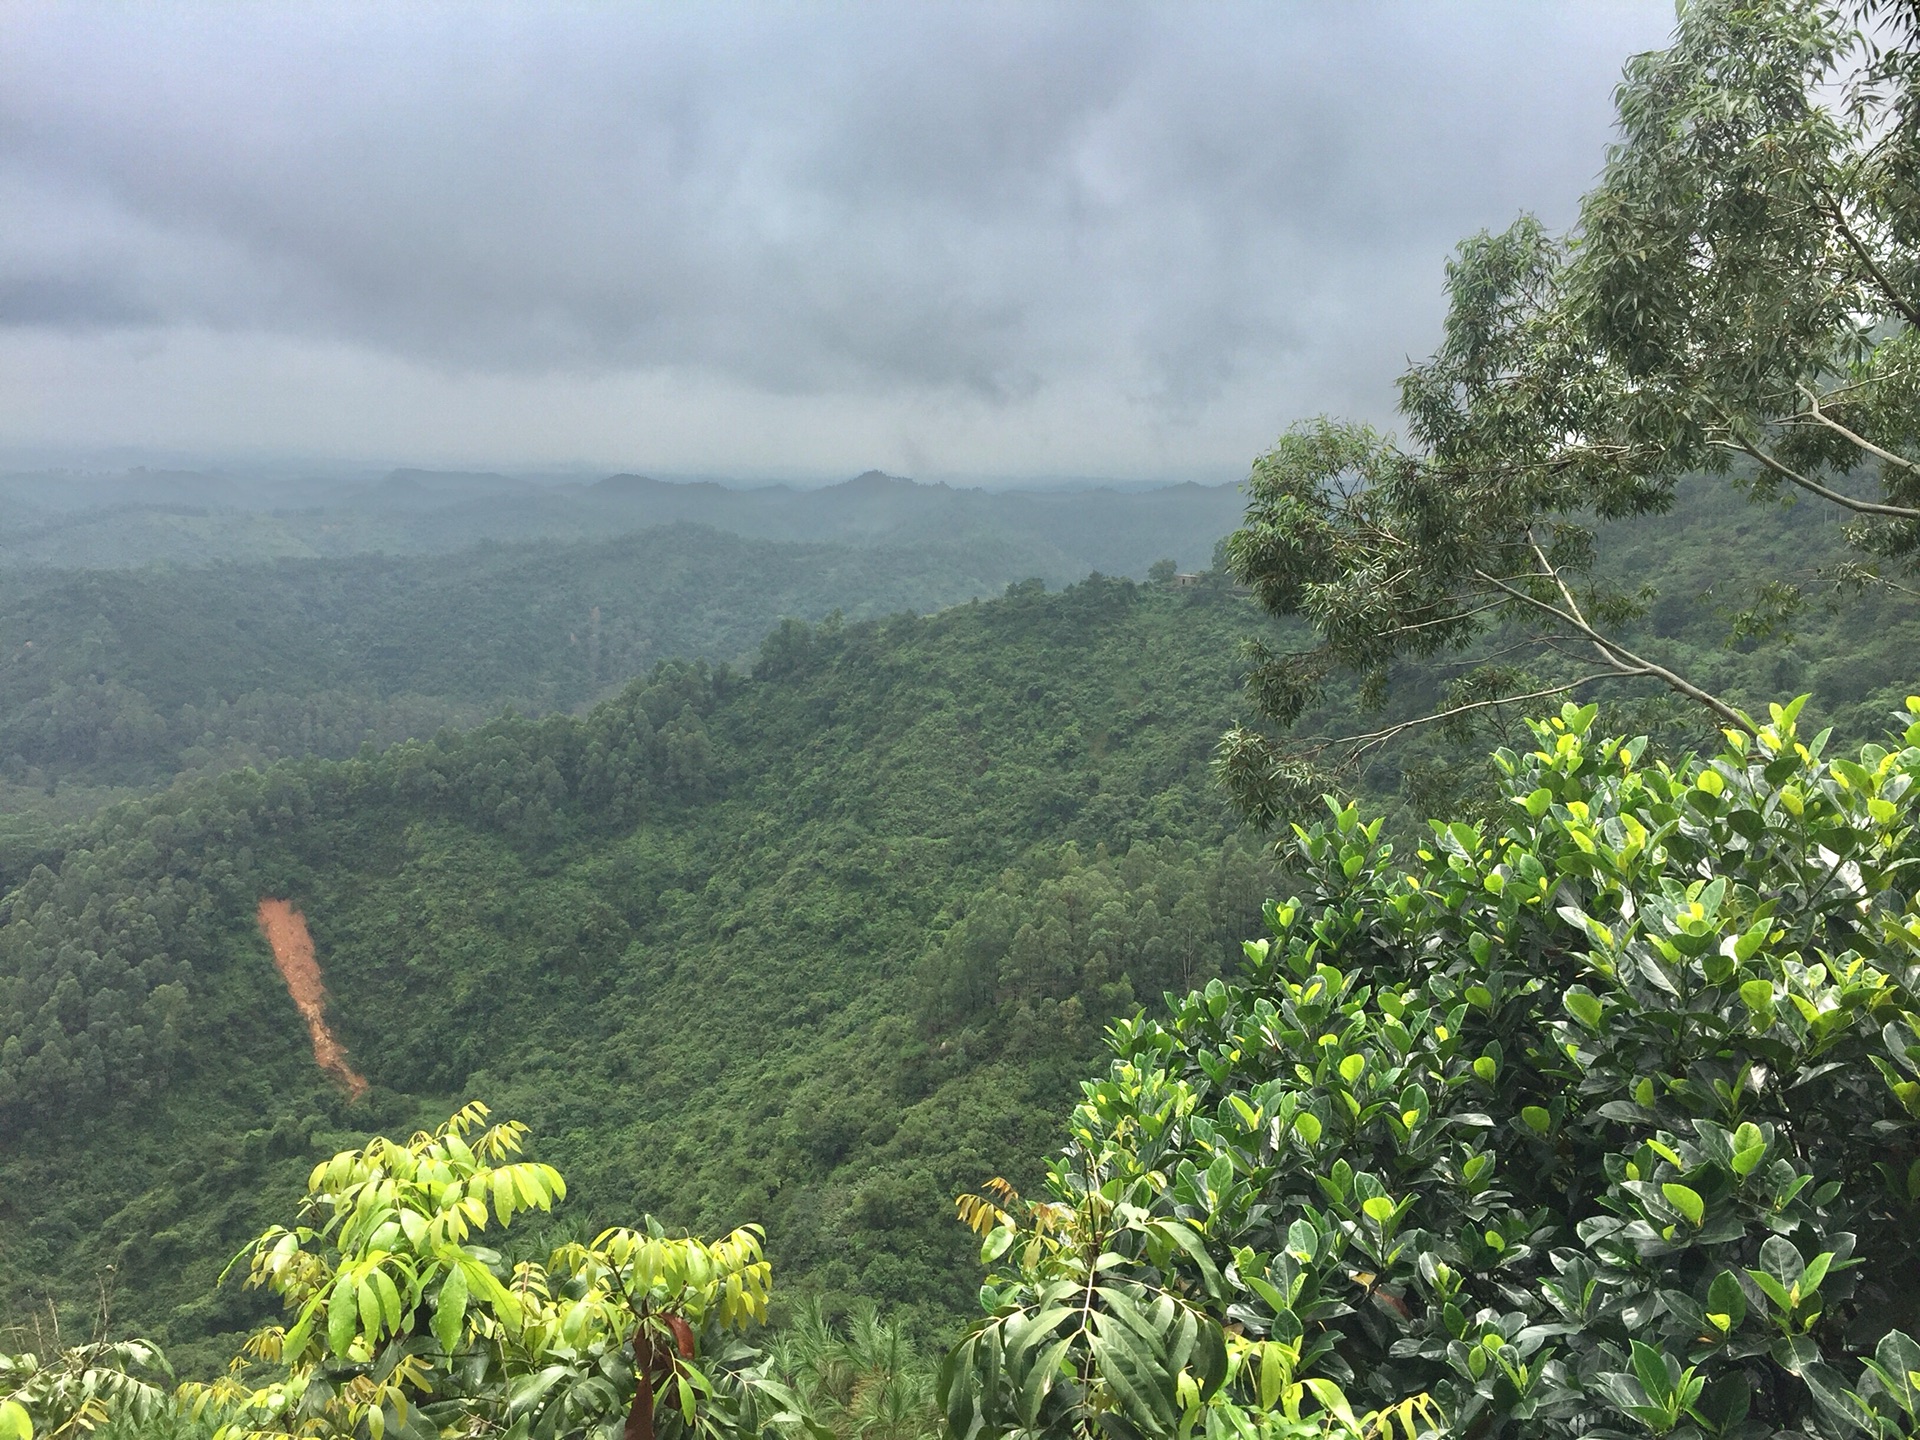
403, 1324
1603, 1124
75, 1389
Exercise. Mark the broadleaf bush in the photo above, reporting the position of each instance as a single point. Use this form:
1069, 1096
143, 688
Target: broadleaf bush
1600, 1123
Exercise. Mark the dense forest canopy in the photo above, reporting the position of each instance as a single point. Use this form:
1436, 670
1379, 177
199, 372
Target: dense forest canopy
810, 945
131, 675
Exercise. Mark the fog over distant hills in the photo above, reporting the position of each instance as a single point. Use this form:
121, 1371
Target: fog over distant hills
80, 520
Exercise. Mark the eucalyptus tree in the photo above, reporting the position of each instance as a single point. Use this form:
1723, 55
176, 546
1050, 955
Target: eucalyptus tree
1738, 300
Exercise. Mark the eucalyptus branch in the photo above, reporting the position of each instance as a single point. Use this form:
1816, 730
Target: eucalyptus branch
1363, 743
1624, 661
1448, 619
1859, 248
1821, 416
1498, 653
1550, 568
1814, 487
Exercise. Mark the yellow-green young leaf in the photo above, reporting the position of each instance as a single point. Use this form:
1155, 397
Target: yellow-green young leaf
1379, 1209
1537, 1119
414, 1226
1757, 995
1308, 1124
1486, 1067
1584, 1006
1351, 1068
367, 1300
1274, 1374
1686, 1201
1667, 1153
1643, 1094
15, 1423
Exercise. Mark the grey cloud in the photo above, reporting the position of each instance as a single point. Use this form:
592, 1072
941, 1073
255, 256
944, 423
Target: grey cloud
992, 199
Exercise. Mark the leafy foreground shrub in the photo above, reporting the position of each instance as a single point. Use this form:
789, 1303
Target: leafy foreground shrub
402, 1325
76, 1389
1603, 1125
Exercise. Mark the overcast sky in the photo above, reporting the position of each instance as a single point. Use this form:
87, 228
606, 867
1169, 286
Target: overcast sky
978, 238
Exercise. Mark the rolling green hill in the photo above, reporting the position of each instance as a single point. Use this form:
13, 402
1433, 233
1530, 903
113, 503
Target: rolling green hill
813, 942
130, 676
108, 522
813, 946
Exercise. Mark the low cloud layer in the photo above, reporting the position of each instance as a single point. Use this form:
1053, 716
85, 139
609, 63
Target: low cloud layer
985, 238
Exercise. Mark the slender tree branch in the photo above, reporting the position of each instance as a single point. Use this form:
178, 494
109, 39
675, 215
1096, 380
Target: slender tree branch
1448, 619
1813, 409
1549, 568
1364, 743
1858, 246
1814, 487
1526, 643
1625, 661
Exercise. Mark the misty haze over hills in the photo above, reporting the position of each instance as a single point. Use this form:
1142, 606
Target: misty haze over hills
53, 519
158, 623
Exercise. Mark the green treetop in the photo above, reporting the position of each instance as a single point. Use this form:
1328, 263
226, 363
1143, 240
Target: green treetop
1738, 299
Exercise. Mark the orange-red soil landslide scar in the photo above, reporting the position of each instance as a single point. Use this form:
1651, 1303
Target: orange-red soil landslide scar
286, 931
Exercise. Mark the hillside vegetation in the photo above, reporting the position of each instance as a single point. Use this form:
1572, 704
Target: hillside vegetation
813, 946
815, 943
129, 676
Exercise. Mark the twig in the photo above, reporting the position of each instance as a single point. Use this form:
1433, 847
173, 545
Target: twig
1624, 661
1364, 743
1447, 619
1863, 507
1813, 409
1839, 218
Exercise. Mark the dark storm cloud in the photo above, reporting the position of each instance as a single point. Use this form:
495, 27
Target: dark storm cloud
985, 200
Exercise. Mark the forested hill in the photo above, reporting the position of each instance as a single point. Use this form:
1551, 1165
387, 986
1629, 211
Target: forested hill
125, 677
812, 946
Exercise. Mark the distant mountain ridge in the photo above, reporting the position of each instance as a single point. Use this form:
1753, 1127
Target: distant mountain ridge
107, 522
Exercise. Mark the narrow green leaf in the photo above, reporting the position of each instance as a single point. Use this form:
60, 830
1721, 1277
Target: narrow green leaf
449, 1313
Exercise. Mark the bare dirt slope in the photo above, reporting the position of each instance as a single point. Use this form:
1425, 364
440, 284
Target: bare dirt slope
286, 931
